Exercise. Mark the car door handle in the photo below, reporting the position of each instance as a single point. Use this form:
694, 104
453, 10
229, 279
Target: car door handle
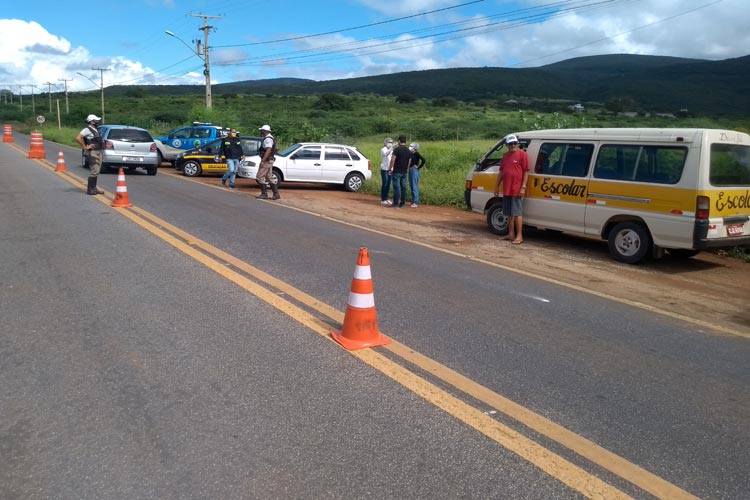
316, 164
348, 164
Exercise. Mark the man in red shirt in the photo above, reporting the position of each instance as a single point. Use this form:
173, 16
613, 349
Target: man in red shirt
514, 173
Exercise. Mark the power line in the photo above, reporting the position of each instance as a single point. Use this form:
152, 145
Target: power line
343, 30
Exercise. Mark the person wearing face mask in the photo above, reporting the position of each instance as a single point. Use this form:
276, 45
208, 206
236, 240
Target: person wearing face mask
91, 142
417, 162
231, 149
385, 165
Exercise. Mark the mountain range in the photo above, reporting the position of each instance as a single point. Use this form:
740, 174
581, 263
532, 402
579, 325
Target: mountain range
653, 83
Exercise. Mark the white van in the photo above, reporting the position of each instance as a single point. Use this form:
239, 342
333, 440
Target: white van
644, 190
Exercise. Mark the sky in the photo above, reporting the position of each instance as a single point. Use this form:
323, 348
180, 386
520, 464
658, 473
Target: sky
48, 44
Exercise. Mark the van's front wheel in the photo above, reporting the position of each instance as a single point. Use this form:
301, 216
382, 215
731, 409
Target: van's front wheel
497, 220
629, 242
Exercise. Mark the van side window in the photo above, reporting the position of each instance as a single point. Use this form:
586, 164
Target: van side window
569, 160
654, 164
730, 165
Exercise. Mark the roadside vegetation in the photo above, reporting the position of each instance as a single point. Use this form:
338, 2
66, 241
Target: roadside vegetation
452, 134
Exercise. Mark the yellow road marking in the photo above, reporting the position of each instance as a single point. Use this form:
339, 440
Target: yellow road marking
558, 467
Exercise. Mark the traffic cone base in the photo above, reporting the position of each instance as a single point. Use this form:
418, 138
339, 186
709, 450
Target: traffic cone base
121, 192
360, 328
60, 162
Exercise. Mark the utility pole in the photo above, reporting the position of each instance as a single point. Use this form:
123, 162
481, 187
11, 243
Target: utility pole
49, 93
33, 107
66, 80
20, 95
101, 85
207, 67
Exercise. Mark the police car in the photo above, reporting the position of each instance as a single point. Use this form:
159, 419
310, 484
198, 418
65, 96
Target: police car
206, 158
195, 136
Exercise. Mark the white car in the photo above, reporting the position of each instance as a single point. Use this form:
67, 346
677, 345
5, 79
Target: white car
315, 162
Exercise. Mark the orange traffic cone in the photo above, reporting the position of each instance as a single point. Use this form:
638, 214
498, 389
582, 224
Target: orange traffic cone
36, 149
60, 162
121, 192
7, 133
360, 327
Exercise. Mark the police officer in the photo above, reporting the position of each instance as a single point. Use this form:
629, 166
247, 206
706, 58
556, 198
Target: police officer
91, 142
231, 149
267, 153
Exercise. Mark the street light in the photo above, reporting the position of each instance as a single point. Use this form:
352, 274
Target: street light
197, 52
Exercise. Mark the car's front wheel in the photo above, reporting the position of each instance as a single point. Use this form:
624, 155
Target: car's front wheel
192, 168
276, 177
354, 181
497, 220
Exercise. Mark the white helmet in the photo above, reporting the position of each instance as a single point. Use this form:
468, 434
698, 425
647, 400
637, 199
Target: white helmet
93, 118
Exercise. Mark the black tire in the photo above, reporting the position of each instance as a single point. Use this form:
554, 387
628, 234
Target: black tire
682, 253
277, 177
497, 220
354, 182
192, 168
152, 170
629, 242
159, 160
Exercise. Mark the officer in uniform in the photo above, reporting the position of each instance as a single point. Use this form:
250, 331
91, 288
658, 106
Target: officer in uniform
266, 151
91, 142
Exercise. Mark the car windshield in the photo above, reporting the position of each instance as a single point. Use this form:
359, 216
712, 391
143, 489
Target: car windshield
291, 149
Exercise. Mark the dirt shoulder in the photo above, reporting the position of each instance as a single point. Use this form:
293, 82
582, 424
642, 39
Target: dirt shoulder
710, 289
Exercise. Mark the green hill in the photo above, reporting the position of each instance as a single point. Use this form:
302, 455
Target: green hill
654, 83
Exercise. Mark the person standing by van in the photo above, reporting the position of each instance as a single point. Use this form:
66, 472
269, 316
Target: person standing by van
385, 165
514, 174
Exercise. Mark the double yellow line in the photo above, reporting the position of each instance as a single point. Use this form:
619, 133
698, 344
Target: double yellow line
297, 305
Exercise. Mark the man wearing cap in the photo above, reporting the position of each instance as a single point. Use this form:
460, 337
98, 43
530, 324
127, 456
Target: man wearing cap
91, 142
267, 152
514, 174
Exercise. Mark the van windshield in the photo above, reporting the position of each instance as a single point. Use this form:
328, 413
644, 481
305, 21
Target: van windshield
730, 165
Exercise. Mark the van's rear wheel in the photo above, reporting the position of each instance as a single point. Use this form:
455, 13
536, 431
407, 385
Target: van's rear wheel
497, 220
629, 242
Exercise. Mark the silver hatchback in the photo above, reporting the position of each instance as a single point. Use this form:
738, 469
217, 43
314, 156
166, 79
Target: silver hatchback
128, 147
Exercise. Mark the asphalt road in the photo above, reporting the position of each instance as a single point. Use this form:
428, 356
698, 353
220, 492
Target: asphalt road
130, 369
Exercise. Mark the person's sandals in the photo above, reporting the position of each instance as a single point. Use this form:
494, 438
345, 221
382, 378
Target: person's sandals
516, 242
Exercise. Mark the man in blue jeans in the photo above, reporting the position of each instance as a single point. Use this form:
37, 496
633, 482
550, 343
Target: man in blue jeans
231, 149
417, 162
400, 161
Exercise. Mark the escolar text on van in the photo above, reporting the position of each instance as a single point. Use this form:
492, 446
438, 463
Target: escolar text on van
646, 191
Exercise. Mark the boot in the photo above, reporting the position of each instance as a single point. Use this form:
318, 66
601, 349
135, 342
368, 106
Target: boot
91, 188
275, 190
263, 192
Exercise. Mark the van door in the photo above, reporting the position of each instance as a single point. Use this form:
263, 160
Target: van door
645, 182
557, 188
